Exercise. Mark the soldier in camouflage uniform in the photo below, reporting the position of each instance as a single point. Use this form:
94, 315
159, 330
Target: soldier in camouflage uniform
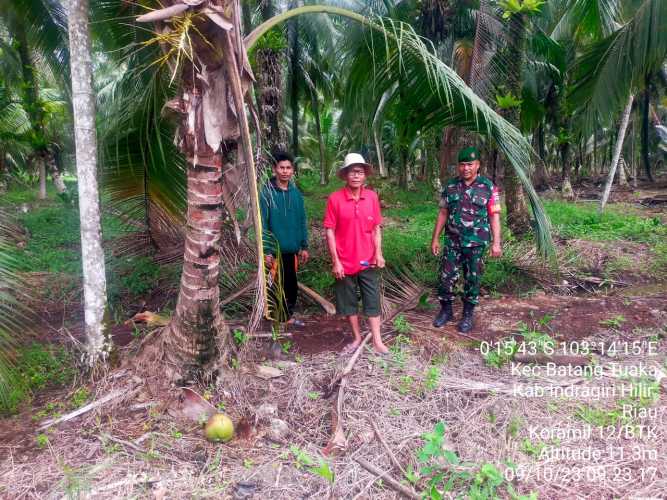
470, 214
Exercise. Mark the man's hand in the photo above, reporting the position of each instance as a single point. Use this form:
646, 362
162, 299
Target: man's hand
379, 261
268, 259
496, 250
303, 256
338, 271
435, 247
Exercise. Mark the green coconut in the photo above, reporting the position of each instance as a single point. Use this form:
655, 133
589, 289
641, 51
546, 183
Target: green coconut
219, 428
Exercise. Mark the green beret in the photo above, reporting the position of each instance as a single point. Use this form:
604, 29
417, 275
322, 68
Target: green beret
468, 154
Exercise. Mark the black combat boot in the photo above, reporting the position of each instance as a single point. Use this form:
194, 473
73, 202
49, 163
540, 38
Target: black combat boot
467, 321
444, 315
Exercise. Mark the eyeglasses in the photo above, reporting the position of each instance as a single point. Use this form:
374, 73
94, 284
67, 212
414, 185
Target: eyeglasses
356, 172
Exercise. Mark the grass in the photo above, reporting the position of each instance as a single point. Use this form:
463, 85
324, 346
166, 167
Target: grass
53, 246
583, 221
38, 366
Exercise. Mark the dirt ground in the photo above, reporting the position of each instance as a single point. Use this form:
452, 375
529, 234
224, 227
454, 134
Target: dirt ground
572, 445
135, 448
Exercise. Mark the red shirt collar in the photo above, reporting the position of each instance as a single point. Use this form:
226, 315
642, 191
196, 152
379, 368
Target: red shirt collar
348, 194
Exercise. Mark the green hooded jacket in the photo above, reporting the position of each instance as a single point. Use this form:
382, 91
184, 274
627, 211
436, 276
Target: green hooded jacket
283, 218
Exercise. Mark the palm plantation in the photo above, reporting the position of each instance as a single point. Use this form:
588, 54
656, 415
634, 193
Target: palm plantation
174, 109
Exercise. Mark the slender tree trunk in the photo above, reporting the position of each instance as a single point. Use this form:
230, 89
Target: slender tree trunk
377, 139
566, 188
270, 97
52, 162
324, 168
42, 178
83, 102
622, 177
541, 176
633, 138
269, 87
295, 56
518, 218
31, 102
625, 118
646, 102
403, 169
595, 151
377, 131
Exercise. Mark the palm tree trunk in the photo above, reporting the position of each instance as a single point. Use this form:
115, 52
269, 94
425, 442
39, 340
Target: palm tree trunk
269, 86
293, 34
269, 97
191, 335
52, 161
646, 102
625, 118
622, 175
324, 169
92, 254
566, 188
518, 219
31, 103
42, 178
595, 150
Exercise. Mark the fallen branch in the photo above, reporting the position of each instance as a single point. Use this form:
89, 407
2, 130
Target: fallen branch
125, 482
384, 444
268, 335
338, 442
390, 481
404, 297
109, 437
326, 305
349, 365
237, 294
91, 406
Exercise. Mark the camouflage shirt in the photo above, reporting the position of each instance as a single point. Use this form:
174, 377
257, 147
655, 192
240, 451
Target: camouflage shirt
468, 211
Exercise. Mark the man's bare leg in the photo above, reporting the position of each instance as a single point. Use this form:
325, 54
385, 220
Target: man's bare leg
374, 323
356, 331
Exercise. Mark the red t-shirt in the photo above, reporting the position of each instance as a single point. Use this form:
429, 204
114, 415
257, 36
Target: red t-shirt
354, 224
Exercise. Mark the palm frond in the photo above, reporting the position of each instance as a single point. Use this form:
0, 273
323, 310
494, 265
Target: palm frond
591, 19
435, 97
45, 23
15, 318
610, 70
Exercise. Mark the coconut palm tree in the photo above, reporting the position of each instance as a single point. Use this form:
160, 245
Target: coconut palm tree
620, 65
202, 51
37, 34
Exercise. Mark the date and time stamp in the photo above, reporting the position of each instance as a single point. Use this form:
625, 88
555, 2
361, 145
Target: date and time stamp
625, 450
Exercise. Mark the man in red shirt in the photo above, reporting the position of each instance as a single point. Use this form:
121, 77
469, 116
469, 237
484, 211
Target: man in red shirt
352, 221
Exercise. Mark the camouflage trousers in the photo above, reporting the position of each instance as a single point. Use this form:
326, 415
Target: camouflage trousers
469, 259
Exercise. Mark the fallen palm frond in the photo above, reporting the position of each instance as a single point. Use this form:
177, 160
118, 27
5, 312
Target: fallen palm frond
15, 317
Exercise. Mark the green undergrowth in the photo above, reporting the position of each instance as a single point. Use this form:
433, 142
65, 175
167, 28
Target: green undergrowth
584, 221
37, 367
53, 246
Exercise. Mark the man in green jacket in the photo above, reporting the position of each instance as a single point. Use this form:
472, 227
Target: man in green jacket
285, 233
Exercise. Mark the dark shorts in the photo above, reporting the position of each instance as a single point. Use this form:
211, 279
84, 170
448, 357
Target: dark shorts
368, 283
